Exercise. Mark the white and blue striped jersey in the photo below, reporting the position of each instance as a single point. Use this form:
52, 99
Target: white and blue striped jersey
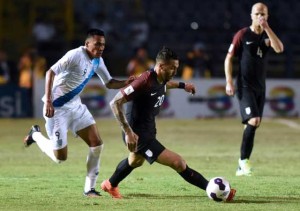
72, 73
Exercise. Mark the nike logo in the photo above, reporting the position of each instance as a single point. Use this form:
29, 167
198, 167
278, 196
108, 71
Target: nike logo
248, 42
153, 93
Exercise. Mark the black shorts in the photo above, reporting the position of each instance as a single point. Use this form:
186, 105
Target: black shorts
150, 149
251, 103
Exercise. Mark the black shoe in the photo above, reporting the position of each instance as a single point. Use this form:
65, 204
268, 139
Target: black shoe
92, 193
28, 140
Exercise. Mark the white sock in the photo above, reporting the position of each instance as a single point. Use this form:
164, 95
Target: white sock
93, 165
45, 145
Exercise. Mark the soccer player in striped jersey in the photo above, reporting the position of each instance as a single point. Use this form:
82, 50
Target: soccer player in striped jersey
250, 45
63, 109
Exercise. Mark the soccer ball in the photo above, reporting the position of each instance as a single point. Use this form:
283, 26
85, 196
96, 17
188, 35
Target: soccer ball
218, 189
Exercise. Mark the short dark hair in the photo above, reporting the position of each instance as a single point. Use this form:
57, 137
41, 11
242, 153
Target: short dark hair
93, 31
166, 54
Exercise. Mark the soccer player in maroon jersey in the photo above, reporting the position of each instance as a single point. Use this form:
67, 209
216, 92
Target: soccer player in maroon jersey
143, 98
250, 45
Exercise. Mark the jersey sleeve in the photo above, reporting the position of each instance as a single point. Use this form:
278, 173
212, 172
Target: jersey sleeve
236, 43
63, 64
102, 72
136, 87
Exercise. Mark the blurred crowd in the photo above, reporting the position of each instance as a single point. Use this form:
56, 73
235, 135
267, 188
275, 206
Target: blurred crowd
135, 30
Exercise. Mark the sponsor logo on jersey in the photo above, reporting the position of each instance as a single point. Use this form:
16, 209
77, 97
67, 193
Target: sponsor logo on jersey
153, 93
249, 42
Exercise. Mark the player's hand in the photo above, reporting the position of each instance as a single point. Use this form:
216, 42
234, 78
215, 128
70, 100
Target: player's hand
131, 140
130, 79
190, 88
263, 23
230, 89
49, 111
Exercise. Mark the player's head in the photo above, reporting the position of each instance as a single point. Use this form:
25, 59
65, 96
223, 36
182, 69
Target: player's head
259, 10
95, 43
167, 63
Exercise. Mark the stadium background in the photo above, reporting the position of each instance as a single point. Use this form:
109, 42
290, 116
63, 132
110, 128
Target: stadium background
131, 23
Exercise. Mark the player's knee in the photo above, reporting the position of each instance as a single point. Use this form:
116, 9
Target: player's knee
179, 165
254, 121
60, 157
95, 151
136, 162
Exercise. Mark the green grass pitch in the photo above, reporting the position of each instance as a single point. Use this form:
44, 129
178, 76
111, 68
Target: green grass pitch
29, 180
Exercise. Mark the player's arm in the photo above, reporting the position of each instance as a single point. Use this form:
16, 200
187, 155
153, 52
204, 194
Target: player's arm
116, 105
274, 41
49, 112
188, 87
117, 84
228, 74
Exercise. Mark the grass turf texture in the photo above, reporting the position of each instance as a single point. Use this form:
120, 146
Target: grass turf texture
29, 180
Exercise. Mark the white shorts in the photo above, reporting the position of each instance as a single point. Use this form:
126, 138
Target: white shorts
65, 119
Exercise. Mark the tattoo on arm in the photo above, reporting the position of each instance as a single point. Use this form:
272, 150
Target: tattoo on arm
116, 105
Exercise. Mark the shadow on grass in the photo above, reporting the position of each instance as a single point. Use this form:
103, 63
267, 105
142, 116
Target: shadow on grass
154, 196
238, 200
265, 200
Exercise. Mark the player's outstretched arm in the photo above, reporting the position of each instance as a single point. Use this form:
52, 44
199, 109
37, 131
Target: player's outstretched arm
188, 87
117, 84
116, 105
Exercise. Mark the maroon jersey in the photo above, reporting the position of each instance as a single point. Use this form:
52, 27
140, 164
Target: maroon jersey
250, 48
146, 95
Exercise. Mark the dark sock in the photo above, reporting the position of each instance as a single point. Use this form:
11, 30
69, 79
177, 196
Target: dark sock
122, 171
247, 142
194, 178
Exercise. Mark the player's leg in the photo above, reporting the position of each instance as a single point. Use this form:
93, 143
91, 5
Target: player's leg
177, 163
124, 168
250, 113
91, 136
248, 137
56, 146
85, 127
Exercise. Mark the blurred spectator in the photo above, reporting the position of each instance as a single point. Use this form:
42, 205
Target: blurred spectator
197, 64
43, 33
31, 66
8, 73
140, 62
139, 32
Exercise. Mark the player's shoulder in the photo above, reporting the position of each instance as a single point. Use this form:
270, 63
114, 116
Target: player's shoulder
146, 75
242, 31
75, 51
77, 54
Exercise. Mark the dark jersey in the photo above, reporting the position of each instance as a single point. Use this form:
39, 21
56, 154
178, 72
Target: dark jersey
146, 95
250, 48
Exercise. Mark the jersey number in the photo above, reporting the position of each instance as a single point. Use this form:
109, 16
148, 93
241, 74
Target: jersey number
259, 52
160, 100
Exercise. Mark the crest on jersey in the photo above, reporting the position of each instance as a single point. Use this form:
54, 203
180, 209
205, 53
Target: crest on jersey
248, 110
149, 153
128, 90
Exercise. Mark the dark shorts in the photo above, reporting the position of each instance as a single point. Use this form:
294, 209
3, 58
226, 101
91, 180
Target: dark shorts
251, 103
150, 149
